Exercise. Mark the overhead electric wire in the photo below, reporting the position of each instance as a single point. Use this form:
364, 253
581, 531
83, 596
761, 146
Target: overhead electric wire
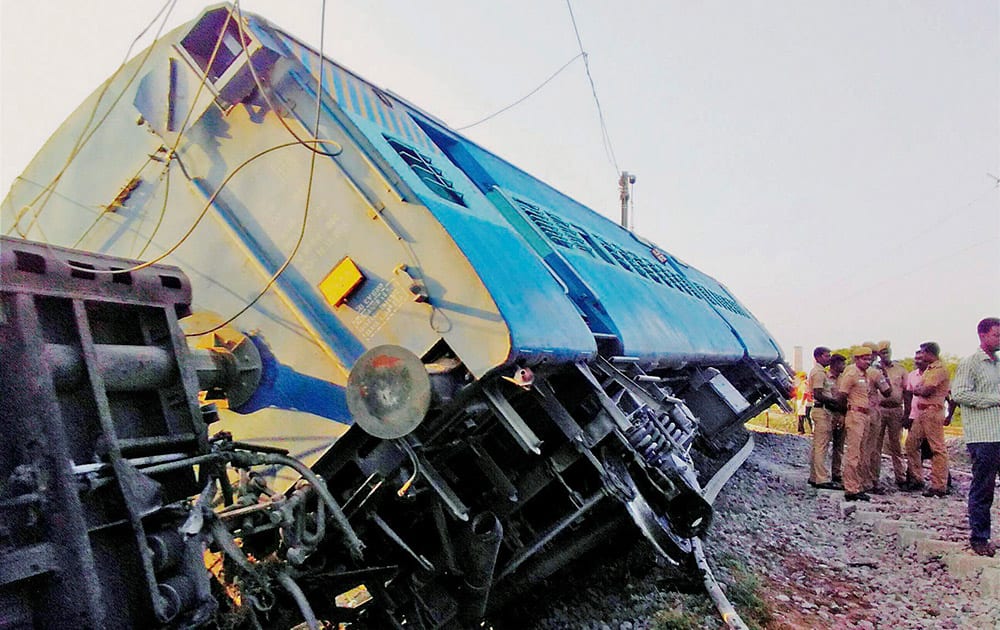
900, 243
163, 211
106, 209
605, 136
87, 133
264, 94
309, 184
523, 98
171, 4
171, 155
170, 152
920, 267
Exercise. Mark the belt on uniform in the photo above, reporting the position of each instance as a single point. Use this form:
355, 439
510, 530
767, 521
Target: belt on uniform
860, 409
888, 404
925, 406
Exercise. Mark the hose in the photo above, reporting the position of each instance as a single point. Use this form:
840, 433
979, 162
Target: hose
729, 614
300, 598
354, 544
225, 540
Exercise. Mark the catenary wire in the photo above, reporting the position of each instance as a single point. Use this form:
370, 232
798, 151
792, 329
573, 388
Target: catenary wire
170, 152
309, 187
264, 93
902, 242
523, 98
605, 136
86, 132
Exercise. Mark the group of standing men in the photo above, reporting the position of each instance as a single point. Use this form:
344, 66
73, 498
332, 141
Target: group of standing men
859, 407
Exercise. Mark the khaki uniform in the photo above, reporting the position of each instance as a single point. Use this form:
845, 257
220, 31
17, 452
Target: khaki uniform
891, 429
858, 388
929, 424
822, 424
870, 446
837, 459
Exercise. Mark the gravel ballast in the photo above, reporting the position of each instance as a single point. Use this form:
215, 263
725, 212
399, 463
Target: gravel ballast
787, 556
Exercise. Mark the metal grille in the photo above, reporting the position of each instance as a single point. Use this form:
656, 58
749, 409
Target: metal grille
429, 174
571, 236
555, 228
663, 274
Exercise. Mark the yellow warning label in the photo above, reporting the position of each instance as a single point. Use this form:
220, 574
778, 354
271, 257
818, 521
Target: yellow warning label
342, 280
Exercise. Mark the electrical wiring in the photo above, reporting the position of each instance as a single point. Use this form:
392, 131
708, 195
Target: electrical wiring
87, 132
170, 153
184, 125
201, 86
169, 3
523, 98
310, 144
264, 93
85, 136
204, 211
107, 208
605, 136
309, 187
163, 212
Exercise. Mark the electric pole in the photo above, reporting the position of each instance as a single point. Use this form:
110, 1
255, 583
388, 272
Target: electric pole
625, 183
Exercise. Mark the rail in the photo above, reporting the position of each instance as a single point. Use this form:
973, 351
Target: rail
711, 491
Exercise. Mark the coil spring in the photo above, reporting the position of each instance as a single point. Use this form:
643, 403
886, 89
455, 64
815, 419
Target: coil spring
654, 437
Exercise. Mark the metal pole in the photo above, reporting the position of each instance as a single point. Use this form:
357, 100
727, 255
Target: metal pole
624, 194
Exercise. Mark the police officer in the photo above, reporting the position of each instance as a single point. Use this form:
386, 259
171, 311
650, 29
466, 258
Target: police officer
929, 401
822, 390
871, 446
891, 408
837, 410
855, 388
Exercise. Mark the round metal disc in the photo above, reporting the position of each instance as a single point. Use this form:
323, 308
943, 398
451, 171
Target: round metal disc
388, 392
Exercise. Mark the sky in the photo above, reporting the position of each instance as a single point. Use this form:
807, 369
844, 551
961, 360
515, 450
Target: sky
832, 163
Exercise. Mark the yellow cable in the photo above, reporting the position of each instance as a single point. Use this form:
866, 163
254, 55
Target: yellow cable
309, 185
86, 133
264, 93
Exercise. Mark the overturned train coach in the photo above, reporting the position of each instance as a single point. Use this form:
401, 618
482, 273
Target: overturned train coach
388, 379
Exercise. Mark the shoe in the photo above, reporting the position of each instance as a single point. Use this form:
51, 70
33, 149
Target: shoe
860, 496
826, 485
876, 490
838, 479
936, 493
902, 484
983, 548
912, 486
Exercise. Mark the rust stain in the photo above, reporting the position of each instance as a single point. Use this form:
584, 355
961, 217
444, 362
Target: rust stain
385, 361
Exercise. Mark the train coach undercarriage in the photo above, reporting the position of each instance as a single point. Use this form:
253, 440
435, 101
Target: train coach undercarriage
447, 496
